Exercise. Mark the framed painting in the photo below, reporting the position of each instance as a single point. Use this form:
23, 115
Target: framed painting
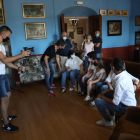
33, 10
35, 30
110, 12
125, 13
114, 27
2, 13
137, 21
103, 12
79, 30
71, 34
117, 12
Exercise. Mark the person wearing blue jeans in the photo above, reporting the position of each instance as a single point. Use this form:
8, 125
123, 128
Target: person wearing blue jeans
123, 96
48, 65
74, 66
82, 79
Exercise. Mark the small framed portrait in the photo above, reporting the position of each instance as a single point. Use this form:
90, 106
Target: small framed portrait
117, 12
125, 13
114, 27
33, 10
79, 30
110, 12
35, 30
71, 34
137, 21
103, 12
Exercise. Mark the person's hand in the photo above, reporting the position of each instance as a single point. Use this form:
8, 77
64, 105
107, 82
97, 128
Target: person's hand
21, 68
25, 53
99, 96
89, 81
59, 67
68, 69
111, 88
85, 51
47, 70
103, 92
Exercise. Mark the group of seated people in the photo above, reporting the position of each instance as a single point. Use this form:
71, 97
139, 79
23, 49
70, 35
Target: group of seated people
115, 93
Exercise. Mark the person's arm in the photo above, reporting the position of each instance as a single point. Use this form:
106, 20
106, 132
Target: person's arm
47, 65
109, 85
67, 68
97, 44
58, 61
4, 59
87, 74
81, 69
11, 65
97, 80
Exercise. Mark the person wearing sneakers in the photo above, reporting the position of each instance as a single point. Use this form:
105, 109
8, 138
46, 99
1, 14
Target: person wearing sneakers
5, 92
74, 66
82, 79
98, 76
123, 96
48, 65
109, 84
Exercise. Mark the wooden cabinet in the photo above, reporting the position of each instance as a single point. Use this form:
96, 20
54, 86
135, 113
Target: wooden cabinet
137, 47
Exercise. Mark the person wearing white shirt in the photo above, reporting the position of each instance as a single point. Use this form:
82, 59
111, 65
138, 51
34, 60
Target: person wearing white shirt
74, 66
82, 79
98, 75
87, 47
5, 91
123, 97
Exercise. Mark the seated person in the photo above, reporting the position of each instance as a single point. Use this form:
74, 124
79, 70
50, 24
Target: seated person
98, 76
82, 79
123, 96
74, 66
109, 84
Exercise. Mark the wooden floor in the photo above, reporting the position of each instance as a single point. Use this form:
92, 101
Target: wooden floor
64, 117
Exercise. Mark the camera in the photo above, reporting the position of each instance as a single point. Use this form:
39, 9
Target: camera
30, 49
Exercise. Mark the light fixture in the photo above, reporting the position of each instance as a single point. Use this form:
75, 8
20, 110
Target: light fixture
79, 3
74, 23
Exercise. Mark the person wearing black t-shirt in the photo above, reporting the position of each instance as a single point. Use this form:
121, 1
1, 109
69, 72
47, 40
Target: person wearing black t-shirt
97, 44
63, 53
48, 65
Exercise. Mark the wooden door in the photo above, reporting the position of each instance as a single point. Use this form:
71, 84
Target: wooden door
62, 23
95, 23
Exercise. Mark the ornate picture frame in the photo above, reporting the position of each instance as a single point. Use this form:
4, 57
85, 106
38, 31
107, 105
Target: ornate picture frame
79, 30
117, 12
33, 10
2, 13
125, 13
110, 12
114, 27
35, 30
103, 12
137, 20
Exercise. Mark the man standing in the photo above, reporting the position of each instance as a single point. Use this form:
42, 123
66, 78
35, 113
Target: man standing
98, 44
5, 91
62, 54
123, 96
48, 65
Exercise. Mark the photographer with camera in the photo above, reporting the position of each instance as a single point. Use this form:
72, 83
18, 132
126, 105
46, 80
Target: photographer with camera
5, 91
48, 65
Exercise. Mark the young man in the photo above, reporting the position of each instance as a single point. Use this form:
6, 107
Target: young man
123, 96
62, 54
5, 91
98, 44
82, 79
48, 65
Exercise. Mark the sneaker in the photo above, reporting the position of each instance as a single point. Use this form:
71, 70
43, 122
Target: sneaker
92, 103
104, 123
112, 117
87, 98
10, 118
71, 88
10, 128
51, 94
53, 86
63, 89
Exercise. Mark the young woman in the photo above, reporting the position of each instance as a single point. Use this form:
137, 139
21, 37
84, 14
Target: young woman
99, 75
87, 47
74, 66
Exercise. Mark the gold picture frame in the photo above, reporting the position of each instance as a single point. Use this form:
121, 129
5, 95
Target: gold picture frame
33, 10
103, 12
35, 30
110, 12
2, 13
125, 13
117, 12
